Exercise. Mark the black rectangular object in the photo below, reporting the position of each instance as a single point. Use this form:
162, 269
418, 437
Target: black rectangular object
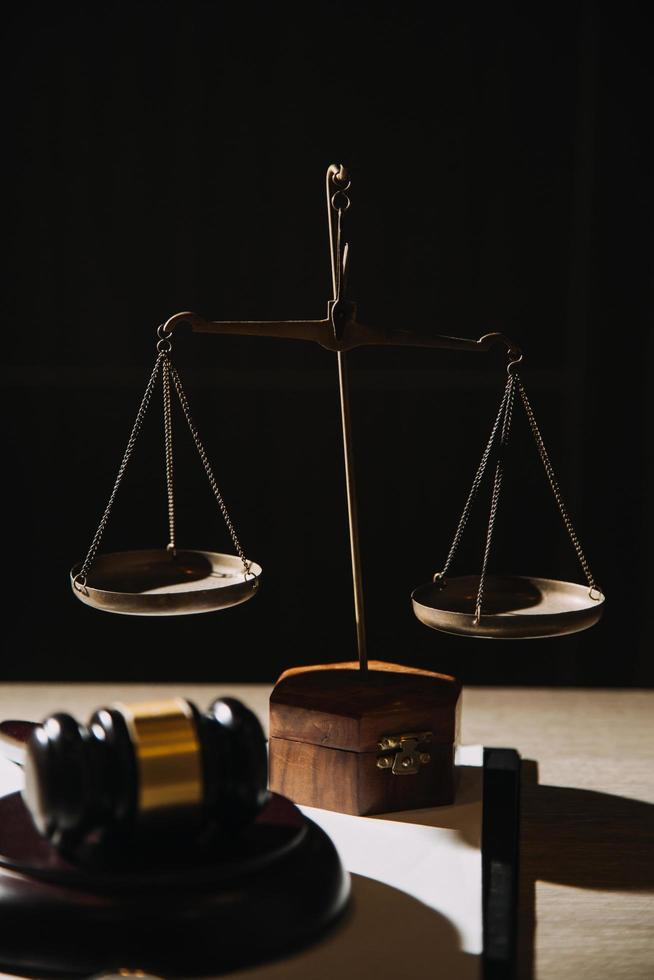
500, 849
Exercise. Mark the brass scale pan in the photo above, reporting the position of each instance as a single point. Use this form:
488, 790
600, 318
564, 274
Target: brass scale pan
156, 583
159, 582
515, 607
152, 583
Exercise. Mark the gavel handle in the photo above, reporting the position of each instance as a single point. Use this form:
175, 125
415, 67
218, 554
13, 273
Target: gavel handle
13, 736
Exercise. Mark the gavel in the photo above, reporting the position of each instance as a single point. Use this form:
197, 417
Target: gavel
145, 768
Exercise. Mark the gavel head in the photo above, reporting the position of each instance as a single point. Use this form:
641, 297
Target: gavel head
159, 765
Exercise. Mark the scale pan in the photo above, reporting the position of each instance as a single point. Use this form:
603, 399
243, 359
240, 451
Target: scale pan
514, 607
154, 583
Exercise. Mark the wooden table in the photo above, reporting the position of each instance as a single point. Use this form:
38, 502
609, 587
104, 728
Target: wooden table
587, 876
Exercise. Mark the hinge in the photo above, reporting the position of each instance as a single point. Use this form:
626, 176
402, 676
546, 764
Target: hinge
403, 754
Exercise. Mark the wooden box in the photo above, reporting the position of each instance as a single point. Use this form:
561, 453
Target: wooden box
364, 743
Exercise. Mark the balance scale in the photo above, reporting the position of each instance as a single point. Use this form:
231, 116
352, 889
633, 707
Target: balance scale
358, 737
411, 714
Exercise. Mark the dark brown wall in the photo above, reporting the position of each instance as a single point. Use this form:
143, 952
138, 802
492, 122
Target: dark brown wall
165, 156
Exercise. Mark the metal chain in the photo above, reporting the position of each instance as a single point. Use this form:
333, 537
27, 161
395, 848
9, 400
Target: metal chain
207, 468
497, 486
339, 202
339, 258
168, 441
583, 561
439, 576
80, 579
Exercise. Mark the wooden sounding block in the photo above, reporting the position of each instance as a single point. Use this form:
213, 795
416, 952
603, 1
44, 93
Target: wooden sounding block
364, 743
200, 907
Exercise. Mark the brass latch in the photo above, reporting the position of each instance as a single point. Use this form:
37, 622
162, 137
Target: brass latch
402, 754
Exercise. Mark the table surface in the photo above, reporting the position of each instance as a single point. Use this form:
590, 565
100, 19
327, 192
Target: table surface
587, 857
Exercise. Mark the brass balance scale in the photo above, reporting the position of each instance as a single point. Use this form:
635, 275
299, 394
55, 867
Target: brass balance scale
339, 733
173, 581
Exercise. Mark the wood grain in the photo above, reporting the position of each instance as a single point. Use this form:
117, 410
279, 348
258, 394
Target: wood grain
599, 741
350, 782
213, 905
326, 723
338, 706
587, 876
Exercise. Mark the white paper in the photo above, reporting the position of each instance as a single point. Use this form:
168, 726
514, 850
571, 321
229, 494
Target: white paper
433, 855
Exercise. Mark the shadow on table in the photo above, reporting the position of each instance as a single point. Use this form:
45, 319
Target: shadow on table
582, 838
462, 817
387, 935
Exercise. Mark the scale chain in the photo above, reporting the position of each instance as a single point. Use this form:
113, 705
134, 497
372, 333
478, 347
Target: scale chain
497, 486
207, 467
80, 579
168, 441
474, 488
542, 451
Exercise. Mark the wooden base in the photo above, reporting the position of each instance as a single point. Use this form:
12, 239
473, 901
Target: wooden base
256, 895
327, 726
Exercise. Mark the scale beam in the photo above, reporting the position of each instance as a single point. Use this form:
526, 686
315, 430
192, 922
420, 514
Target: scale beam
338, 332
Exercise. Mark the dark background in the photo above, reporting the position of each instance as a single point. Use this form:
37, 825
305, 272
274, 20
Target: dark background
161, 157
